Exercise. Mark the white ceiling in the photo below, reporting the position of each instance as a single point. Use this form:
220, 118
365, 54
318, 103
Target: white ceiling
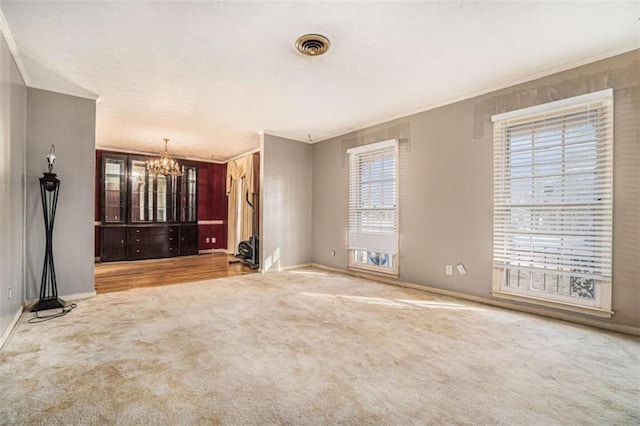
211, 75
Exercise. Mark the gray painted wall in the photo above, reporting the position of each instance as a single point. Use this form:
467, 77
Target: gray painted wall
69, 123
446, 183
285, 186
13, 98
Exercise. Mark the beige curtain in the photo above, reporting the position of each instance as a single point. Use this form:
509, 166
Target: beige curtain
239, 172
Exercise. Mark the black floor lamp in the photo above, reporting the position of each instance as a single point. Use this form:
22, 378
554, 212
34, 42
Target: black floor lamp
49, 187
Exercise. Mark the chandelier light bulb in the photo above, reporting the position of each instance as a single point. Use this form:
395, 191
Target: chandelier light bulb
165, 165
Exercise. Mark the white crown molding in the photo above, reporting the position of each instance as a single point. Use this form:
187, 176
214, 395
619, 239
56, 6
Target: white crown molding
13, 48
489, 89
253, 151
291, 138
203, 160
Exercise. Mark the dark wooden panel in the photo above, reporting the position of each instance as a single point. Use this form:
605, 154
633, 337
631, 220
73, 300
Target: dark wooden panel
96, 240
205, 201
188, 240
114, 244
220, 233
204, 231
219, 192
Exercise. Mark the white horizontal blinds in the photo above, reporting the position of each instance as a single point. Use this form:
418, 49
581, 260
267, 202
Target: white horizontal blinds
373, 213
553, 185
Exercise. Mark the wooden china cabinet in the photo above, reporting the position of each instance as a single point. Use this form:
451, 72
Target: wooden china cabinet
146, 216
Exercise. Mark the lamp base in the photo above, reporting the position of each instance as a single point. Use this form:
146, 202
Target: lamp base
46, 304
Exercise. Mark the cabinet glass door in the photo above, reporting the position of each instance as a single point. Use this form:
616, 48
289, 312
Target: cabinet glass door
172, 199
114, 189
142, 192
166, 198
189, 192
161, 195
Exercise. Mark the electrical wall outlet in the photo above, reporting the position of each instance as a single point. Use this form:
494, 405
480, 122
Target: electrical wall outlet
213, 239
333, 252
448, 270
9, 293
207, 240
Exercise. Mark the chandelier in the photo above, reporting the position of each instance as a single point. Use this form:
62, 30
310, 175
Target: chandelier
165, 165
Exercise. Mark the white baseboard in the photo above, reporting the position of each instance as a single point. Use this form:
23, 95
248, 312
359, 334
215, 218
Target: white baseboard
9, 330
330, 268
287, 268
67, 298
626, 329
291, 267
205, 251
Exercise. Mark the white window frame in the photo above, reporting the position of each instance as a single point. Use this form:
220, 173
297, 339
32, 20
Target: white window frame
360, 255
507, 229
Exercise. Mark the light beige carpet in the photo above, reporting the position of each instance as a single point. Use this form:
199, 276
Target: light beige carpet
310, 347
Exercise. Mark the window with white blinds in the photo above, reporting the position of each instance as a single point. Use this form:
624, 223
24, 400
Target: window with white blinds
373, 206
553, 193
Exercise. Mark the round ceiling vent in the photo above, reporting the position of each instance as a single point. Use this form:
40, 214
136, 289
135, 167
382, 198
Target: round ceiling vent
312, 44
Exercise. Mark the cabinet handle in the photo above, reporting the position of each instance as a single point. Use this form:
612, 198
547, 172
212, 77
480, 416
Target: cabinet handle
137, 251
138, 231
170, 239
137, 240
170, 248
121, 241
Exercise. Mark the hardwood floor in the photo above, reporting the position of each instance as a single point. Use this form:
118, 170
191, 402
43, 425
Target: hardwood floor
120, 276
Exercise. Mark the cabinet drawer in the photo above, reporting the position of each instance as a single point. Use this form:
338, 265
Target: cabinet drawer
174, 249
150, 240
140, 231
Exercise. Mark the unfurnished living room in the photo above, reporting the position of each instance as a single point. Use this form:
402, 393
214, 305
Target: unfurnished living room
319, 213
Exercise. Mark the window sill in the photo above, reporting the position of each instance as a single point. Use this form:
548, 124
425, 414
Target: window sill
586, 310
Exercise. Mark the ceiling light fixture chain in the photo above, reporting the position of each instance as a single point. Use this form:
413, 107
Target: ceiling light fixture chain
165, 165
